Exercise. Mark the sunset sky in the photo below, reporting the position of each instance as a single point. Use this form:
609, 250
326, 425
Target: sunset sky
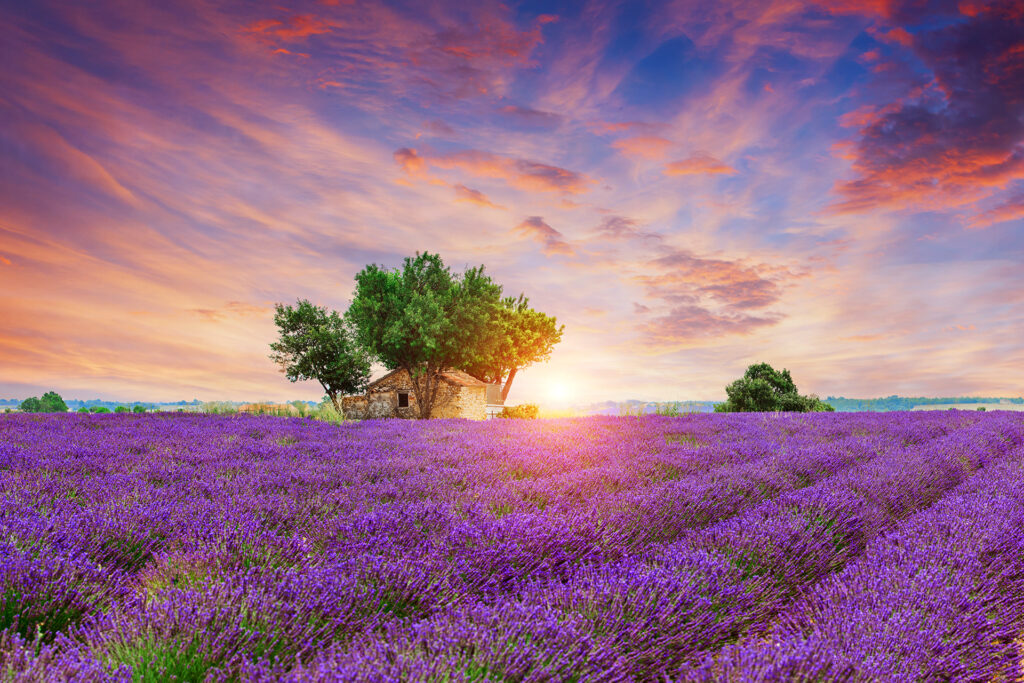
835, 187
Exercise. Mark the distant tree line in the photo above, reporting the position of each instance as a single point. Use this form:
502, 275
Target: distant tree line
422, 318
905, 402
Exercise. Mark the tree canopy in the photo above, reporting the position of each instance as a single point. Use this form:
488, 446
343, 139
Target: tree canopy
315, 344
424, 319
765, 389
50, 402
517, 337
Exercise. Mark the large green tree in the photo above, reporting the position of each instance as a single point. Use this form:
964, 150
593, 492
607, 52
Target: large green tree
318, 345
765, 389
517, 337
424, 319
50, 402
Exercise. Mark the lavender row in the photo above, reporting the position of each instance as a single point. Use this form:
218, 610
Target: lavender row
644, 617
941, 598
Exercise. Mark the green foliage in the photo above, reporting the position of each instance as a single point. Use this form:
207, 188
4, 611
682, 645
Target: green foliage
83, 409
31, 405
981, 408
219, 408
517, 337
525, 411
51, 402
424, 319
122, 409
325, 412
765, 389
99, 409
301, 407
321, 346
138, 408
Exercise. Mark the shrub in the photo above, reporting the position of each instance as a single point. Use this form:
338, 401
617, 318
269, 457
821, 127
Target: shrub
99, 409
51, 402
121, 409
526, 411
31, 405
219, 408
138, 408
764, 389
83, 409
325, 412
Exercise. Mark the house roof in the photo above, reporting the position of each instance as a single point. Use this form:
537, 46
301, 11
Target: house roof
462, 379
456, 377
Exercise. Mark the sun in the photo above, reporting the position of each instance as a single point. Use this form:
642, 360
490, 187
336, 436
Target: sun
558, 392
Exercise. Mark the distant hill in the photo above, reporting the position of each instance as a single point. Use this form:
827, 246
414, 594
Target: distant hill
840, 403
881, 405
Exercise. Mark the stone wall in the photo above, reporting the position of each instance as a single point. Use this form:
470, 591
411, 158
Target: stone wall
382, 400
467, 402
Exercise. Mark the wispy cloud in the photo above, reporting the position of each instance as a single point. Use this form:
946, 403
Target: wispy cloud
553, 241
698, 164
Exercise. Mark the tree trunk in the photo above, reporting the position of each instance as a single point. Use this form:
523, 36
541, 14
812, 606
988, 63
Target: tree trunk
337, 404
421, 386
508, 384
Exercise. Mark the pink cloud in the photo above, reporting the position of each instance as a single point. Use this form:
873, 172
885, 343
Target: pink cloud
524, 174
643, 147
699, 164
554, 242
471, 196
1011, 209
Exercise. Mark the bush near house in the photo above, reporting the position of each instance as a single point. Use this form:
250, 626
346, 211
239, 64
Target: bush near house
526, 411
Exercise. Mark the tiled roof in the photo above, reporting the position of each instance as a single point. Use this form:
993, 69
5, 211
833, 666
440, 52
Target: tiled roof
456, 377
461, 379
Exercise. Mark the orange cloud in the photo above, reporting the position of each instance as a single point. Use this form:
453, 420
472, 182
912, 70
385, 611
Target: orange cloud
471, 196
699, 164
521, 173
553, 241
643, 147
1010, 210
956, 141
409, 160
293, 28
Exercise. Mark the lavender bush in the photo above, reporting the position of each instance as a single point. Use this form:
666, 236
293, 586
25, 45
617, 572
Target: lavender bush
712, 547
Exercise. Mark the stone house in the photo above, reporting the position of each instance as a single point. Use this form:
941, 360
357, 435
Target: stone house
458, 395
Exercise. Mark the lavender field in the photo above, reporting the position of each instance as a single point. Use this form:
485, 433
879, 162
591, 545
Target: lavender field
859, 547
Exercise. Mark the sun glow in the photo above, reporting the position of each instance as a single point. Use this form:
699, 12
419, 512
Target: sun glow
558, 392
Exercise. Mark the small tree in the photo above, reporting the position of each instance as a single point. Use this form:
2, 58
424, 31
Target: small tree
138, 408
765, 389
424, 319
31, 405
121, 409
518, 336
317, 345
53, 403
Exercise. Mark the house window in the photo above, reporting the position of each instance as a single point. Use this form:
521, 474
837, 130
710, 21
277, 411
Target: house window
403, 399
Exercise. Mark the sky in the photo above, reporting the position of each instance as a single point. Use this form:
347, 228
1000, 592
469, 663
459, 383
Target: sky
831, 186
